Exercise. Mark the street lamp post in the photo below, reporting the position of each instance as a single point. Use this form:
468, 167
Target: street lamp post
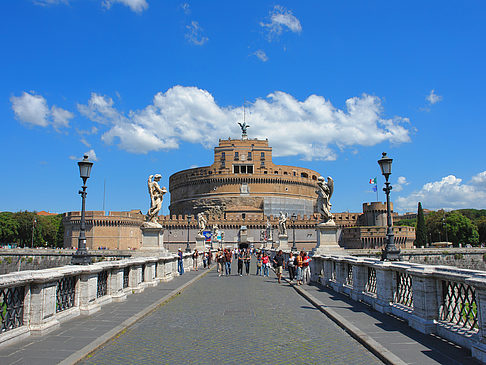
33, 228
444, 225
188, 248
81, 257
391, 252
294, 217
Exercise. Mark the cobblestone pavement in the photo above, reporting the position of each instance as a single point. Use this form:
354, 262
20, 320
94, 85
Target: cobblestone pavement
73, 335
234, 320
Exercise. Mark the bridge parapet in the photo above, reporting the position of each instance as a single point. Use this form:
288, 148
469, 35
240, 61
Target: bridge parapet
447, 301
37, 301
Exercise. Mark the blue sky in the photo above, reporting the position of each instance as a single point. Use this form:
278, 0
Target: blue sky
149, 86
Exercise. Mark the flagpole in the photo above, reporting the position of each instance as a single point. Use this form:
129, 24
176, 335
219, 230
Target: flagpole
376, 186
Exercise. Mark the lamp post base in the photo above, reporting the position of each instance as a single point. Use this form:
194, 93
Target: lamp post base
391, 255
81, 257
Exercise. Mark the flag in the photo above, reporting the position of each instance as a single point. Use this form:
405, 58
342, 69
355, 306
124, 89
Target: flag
373, 181
375, 188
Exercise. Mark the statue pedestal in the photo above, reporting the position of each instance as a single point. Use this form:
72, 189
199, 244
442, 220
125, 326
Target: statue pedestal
327, 239
152, 238
200, 246
283, 242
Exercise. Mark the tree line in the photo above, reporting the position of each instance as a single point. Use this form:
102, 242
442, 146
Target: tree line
27, 229
462, 226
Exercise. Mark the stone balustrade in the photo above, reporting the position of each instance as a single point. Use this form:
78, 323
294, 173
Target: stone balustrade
443, 300
37, 301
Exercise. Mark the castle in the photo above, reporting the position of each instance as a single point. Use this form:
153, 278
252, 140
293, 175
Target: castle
242, 188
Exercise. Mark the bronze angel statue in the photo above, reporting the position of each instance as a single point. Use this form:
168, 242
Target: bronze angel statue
324, 194
244, 127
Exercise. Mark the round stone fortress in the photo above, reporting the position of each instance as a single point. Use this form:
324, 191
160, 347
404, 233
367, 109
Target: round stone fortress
243, 182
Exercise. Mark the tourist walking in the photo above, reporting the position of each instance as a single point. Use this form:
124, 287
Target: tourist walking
210, 258
180, 262
247, 260
195, 257
228, 258
205, 259
259, 264
291, 266
220, 261
305, 268
265, 263
240, 264
298, 266
278, 260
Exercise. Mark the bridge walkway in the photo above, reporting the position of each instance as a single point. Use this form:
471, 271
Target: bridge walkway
77, 337
235, 320
232, 319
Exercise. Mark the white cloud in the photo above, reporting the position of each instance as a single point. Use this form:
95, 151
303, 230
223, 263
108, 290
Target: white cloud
135, 5
195, 34
60, 117
91, 156
312, 128
32, 109
448, 193
281, 19
433, 98
401, 182
479, 179
85, 142
261, 55
100, 109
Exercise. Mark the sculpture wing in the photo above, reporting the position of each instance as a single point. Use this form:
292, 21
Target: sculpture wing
330, 183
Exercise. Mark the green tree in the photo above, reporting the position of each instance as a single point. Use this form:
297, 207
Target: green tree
420, 229
458, 228
8, 228
25, 221
481, 224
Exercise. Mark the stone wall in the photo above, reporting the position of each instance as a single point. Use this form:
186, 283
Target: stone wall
464, 258
22, 259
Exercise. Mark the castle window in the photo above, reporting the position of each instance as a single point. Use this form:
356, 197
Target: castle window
265, 172
314, 177
223, 156
263, 164
286, 173
276, 172
243, 215
250, 169
262, 155
243, 169
237, 156
303, 174
294, 173
236, 169
249, 156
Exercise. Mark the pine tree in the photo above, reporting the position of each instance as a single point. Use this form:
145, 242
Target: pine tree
420, 230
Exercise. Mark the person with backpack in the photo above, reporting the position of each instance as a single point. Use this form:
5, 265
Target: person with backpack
240, 263
247, 260
279, 263
228, 259
259, 264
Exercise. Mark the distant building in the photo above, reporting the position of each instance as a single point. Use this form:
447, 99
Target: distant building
44, 213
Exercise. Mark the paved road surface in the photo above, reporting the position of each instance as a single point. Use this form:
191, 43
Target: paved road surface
235, 320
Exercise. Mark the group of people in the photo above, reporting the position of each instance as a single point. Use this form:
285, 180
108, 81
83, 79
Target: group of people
296, 264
